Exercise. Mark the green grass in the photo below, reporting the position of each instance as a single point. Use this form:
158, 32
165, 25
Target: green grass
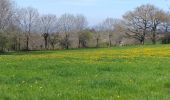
119, 73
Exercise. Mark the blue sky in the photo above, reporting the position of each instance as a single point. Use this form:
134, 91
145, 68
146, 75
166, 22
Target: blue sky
94, 10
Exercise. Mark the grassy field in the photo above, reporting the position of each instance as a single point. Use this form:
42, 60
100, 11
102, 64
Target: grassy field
119, 73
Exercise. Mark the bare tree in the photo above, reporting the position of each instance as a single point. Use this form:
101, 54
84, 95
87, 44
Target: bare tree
138, 22
108, 26
17, 26
54, 39
119, 31
166, 23
6, 13
97, 31
13, 35
17, 29
28, 20
67, 26
157, 17
81, 25
48, 24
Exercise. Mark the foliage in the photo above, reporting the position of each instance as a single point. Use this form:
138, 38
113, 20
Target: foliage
166, 39
84, 37
3, 41
65, 42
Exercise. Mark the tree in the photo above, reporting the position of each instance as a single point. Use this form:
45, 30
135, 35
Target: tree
3, 41
48, 24
84, 37
54, 39
108, 27
97, 33
166, 23
119, 31
144, 19
66, 26
28, 21
138, 22
6, 12
13, 36
157, 16
164, 28
81, 24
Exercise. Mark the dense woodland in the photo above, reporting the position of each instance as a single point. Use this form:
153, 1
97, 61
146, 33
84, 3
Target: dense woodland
27, 29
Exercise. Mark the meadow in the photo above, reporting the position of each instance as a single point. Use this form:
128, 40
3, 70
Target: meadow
118, 73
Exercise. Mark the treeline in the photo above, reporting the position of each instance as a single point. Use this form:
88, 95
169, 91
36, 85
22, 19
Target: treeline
26, 29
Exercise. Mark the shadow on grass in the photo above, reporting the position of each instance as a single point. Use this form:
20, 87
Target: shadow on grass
25, 53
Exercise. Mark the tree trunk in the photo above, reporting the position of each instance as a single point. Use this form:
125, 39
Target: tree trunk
67, 42
19, 44
143, 40
110, 41
46, 42
53, 46
46, 35
67, 47
27, 43
1, 50
79, 45
97, 40
154, 34
154, 38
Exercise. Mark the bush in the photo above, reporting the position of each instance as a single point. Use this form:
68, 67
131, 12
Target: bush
3, 42
166, 39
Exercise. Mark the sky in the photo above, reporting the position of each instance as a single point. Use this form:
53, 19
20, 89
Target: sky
94, 10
